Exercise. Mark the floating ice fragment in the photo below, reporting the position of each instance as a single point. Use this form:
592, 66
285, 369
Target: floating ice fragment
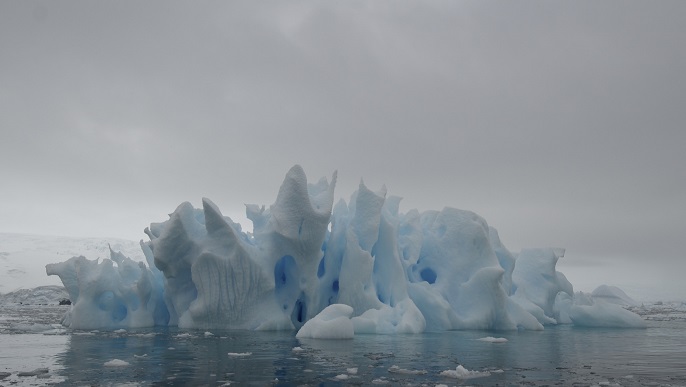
120, 331
342, 377
183, 335
331, 323
380, 381
116, 363
297, 349
490, 339
208, 334
462, 373
352, 371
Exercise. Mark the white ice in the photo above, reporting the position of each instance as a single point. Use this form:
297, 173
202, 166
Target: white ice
332, 323
491, 339
614, 295
116, 363
462, 373
590, 312
328, 271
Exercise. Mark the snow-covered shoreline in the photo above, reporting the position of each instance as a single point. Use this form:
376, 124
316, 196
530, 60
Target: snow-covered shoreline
23, 256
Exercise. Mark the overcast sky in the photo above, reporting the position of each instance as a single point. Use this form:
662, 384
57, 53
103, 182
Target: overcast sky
561, 123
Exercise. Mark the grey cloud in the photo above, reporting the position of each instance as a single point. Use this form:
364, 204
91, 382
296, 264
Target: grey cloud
560, 123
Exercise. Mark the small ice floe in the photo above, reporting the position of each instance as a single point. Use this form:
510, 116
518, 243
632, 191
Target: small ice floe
36, 372
462, 373
183, 335
152, 334
120, 331
297, 349
83, 333
397, 370
380, 381
140, 356
342, 377
490, 339
351, 371
239, 354
209, 334
116, 363
171, 348
441, 385
331, 323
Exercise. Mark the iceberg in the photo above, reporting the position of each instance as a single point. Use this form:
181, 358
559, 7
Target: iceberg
328, 270
613, 295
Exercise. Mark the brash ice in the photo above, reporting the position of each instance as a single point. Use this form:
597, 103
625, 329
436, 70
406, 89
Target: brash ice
357, 267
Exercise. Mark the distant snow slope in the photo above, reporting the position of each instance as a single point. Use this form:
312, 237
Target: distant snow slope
42, 295
23, 257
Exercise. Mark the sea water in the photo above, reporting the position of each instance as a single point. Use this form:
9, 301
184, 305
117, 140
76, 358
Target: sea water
36, 350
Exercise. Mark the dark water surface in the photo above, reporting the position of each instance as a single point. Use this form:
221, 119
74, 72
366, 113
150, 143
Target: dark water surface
559, 355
